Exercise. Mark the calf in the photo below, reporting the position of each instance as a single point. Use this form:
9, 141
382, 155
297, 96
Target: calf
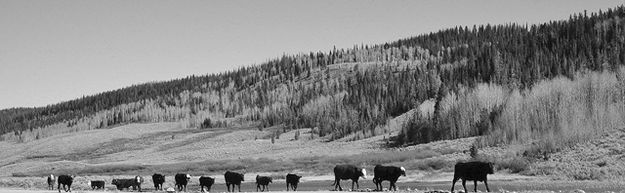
390, 173
181, 181
476, 171
293, 180
158, 180
51, 180
99, 184
66, 181
263, 181
127, 183
348, 172
233, 178
207, 182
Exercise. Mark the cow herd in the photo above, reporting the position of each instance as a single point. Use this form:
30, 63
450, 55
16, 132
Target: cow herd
475, 171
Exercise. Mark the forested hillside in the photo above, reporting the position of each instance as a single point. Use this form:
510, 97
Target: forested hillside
464, 81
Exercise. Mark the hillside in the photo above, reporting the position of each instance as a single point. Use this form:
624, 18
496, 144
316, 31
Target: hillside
533, 90
105, 150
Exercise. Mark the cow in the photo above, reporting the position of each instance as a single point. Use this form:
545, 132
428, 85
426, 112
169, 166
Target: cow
233, 178
263, 181
127, 183
51, 181
293, 180
181, 181
66, 181
158, 180
348, 172
207, 182
476, 171
99, 184
390, 173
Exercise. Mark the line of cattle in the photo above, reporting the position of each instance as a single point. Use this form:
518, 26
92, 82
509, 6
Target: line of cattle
473, 171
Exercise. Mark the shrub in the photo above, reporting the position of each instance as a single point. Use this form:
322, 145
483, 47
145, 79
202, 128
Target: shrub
429, 164
473, 151
515, 164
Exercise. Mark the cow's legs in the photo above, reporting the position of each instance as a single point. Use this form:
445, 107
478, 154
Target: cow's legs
238, 186
376, 183
337, 183
392, 186
453, 183
464, 185
486, 184
475, 185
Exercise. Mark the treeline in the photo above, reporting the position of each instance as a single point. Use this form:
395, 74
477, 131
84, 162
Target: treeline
520, 55
346, 91
254, 93
551, 115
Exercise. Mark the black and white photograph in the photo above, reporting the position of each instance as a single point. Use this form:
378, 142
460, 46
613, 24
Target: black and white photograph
314, 96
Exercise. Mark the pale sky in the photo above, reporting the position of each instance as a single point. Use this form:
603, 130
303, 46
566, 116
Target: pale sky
53, 51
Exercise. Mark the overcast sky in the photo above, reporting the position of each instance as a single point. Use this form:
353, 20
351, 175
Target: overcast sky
53, 51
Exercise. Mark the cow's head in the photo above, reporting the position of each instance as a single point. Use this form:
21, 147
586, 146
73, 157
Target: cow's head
139, 179
403, 171
188, 176
491, 168
364, 173
242, 177
52, 176
114, 182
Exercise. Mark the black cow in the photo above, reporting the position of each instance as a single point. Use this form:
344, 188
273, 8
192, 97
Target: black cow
51, 181
206, 181
293, 180
66, 181
390, 173
158, 180
127, 183
181, 181
348, 172
99, 184
475, 171
263, 181
233, 178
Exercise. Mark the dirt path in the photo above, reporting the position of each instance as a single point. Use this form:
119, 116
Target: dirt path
326, 186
